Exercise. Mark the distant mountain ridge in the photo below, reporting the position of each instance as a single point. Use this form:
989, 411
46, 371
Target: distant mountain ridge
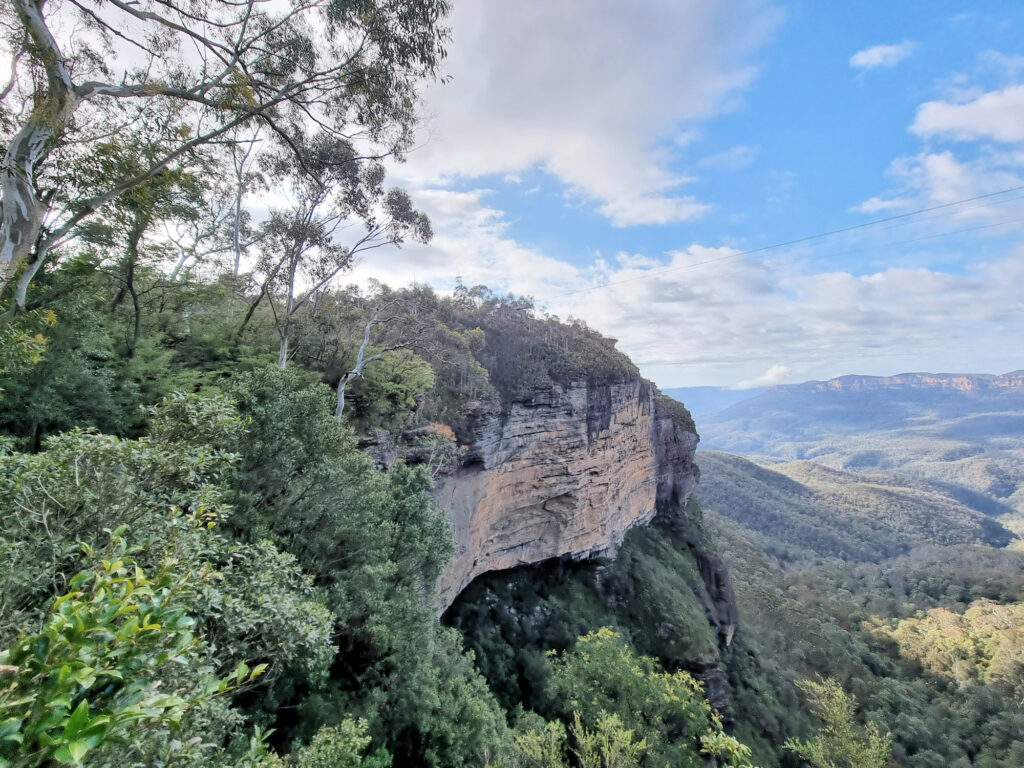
709, 401
965, 431
962, 382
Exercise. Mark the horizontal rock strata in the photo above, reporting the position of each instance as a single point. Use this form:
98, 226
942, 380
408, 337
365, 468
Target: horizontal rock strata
563, 474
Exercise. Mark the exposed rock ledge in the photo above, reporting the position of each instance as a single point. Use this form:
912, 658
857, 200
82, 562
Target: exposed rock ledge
563, 474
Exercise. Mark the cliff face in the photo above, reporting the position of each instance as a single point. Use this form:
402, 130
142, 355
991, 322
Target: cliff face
562, 474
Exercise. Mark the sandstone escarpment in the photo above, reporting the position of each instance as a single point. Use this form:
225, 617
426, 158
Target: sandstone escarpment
562, 474
961, 382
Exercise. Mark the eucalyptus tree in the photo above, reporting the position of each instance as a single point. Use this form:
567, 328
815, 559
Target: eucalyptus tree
244, 153
336, 191
125, 227
407, 331
83, 70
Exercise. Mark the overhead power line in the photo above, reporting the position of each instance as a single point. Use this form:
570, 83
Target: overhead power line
807, 238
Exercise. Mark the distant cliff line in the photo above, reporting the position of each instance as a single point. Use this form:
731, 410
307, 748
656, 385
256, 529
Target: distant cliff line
961, 382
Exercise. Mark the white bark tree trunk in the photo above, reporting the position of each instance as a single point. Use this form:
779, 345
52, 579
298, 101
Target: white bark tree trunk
361, 361
289, 310
21, 210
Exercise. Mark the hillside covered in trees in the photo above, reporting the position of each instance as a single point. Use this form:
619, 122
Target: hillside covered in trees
958, 434
872, 529
907, 592
195, 532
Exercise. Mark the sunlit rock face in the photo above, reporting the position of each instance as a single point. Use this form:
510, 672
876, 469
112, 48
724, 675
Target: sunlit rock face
563, 474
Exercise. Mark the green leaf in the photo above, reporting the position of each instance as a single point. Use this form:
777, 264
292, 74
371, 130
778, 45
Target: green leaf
78, 750
10, 731
41, 648
61, 700
63, 754
77, 720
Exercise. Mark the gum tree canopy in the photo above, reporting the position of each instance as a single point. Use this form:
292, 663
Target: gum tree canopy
86, 72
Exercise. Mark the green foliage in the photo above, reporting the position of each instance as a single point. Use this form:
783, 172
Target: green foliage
609, 745
839, 619
668, 711
450, 710
458, 375
983, 644
253, 603
525, 351
369, 538
652, 594
22, 341
83, 484
726, 749
259, 605
91, 676
389, 390
375, 543
508, 620
659, 596
341, 746
543, 745
428, 703
784, 503
77, 378
840, 743
623, 709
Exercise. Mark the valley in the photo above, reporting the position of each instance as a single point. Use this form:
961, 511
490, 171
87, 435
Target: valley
871, 527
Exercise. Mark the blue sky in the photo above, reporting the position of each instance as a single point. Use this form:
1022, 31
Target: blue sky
615, 160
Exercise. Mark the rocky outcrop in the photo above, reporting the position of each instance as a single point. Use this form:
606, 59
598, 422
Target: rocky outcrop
562, 474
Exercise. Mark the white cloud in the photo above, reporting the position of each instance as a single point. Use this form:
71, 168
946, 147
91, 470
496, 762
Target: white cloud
600, 98
717, 317
996, 115
735, 320
777, 374
704, 315
991, 120
638, 260
882, 55
652, 209
470, 243
731, 159
933, 178
942, 177
1006, 65
876, 204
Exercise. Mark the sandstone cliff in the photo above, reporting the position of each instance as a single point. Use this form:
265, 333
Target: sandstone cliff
563, 473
